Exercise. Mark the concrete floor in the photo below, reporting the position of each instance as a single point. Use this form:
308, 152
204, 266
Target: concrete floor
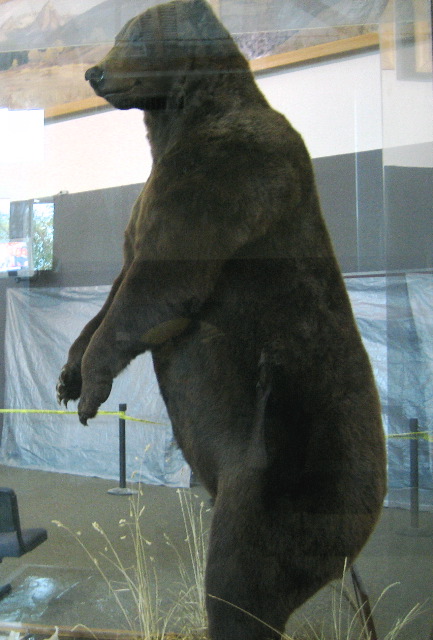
58, 584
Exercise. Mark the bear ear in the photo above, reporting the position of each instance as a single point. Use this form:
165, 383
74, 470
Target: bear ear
202, 16
200, 6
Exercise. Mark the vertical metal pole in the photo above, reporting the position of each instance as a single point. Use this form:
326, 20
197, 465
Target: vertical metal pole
121, 490
415, 530
122, 449
414, 474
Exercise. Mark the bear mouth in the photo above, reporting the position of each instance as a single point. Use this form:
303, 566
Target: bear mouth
131, 98
127, 99
120, 98
123, 91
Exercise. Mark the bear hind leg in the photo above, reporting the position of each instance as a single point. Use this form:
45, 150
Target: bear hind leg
251, 591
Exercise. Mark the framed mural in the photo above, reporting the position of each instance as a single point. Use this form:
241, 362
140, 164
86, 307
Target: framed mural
46, 45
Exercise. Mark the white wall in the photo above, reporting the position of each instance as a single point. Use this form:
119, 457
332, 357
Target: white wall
408, 120
92, 152
336, 105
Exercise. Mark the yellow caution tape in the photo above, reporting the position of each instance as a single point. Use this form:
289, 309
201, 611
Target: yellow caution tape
410, 435
119, 414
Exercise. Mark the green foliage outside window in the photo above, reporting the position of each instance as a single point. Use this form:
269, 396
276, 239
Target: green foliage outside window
42, 241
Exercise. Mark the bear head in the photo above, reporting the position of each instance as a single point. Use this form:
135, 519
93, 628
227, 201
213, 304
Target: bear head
157, 51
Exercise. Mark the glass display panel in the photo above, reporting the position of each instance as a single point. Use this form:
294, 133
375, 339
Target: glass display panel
355, 80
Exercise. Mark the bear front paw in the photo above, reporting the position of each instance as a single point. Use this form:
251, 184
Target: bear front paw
69, 384
86, 410
92, 397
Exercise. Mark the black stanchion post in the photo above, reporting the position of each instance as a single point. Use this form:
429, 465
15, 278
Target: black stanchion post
122, 448
414, 530
414, 474
122, 490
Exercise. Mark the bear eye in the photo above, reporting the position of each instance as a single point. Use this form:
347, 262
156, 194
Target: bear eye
134, 39
139, 45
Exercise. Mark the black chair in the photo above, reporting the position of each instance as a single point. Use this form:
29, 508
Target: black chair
14, 541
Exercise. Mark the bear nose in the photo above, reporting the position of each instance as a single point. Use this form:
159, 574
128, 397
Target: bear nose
95, 75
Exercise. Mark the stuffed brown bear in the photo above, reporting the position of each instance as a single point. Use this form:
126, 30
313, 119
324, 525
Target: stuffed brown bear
230, 280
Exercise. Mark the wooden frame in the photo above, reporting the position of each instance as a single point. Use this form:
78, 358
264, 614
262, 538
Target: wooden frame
382, 35
51, 77
316, 52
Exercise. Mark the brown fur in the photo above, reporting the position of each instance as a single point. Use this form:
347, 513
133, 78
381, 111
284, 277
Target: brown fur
230, 280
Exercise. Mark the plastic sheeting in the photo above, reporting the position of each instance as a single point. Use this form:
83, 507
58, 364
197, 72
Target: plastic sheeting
394, 315
368, 299
420, 291
41, 324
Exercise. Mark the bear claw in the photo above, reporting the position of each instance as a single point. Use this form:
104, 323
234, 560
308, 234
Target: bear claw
85, 413
69, 384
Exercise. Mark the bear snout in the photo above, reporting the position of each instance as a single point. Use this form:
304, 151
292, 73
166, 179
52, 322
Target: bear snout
95, 75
